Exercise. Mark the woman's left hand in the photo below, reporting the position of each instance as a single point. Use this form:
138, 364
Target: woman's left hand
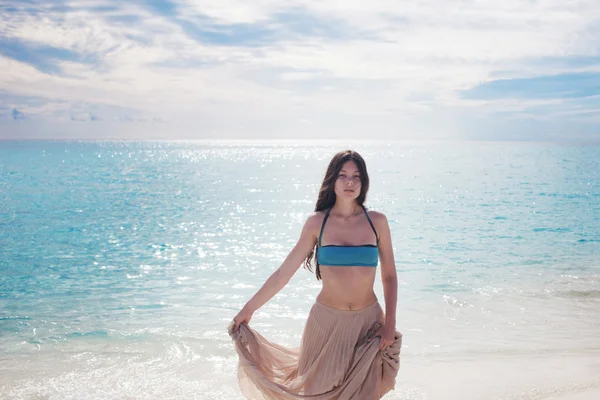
387, 335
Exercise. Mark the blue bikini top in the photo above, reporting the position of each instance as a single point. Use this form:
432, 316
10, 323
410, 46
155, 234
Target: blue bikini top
365, 255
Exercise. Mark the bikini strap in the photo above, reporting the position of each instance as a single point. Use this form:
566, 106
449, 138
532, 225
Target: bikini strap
323, 226
371, 223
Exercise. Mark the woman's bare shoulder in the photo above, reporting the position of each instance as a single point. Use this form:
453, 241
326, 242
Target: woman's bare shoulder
376, 215
315, 219
313, 223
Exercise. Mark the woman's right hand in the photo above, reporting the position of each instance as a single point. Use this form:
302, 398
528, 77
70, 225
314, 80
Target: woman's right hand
243, 316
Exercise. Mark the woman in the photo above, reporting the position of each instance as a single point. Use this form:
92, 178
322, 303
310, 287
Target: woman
350, 348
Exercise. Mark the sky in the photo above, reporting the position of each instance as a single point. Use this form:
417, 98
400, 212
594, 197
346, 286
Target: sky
297, 69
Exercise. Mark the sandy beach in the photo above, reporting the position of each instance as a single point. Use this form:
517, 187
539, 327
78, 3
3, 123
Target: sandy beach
588, 394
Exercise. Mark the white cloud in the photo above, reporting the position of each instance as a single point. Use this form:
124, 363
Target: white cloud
394, 59
233, 11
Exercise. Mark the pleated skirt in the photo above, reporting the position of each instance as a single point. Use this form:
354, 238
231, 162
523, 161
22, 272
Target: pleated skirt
338, 359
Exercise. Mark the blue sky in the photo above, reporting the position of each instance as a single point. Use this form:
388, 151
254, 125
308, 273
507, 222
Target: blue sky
195, 69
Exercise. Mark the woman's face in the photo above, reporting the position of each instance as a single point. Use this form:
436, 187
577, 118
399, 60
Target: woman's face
347, 184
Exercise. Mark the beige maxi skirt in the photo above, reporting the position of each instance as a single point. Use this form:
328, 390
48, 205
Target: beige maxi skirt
338, 359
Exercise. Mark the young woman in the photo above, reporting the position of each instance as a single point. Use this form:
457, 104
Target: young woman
350, 349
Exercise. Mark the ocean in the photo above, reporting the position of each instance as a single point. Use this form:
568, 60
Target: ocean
123, 262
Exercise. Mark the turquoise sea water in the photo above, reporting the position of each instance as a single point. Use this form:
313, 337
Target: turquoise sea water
121, 263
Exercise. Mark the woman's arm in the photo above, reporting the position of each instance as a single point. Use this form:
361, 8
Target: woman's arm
388, 276
284, 273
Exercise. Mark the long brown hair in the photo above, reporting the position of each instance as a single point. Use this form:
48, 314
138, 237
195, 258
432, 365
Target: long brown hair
326, 197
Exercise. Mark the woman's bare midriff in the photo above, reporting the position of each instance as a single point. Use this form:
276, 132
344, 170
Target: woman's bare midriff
347, 288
